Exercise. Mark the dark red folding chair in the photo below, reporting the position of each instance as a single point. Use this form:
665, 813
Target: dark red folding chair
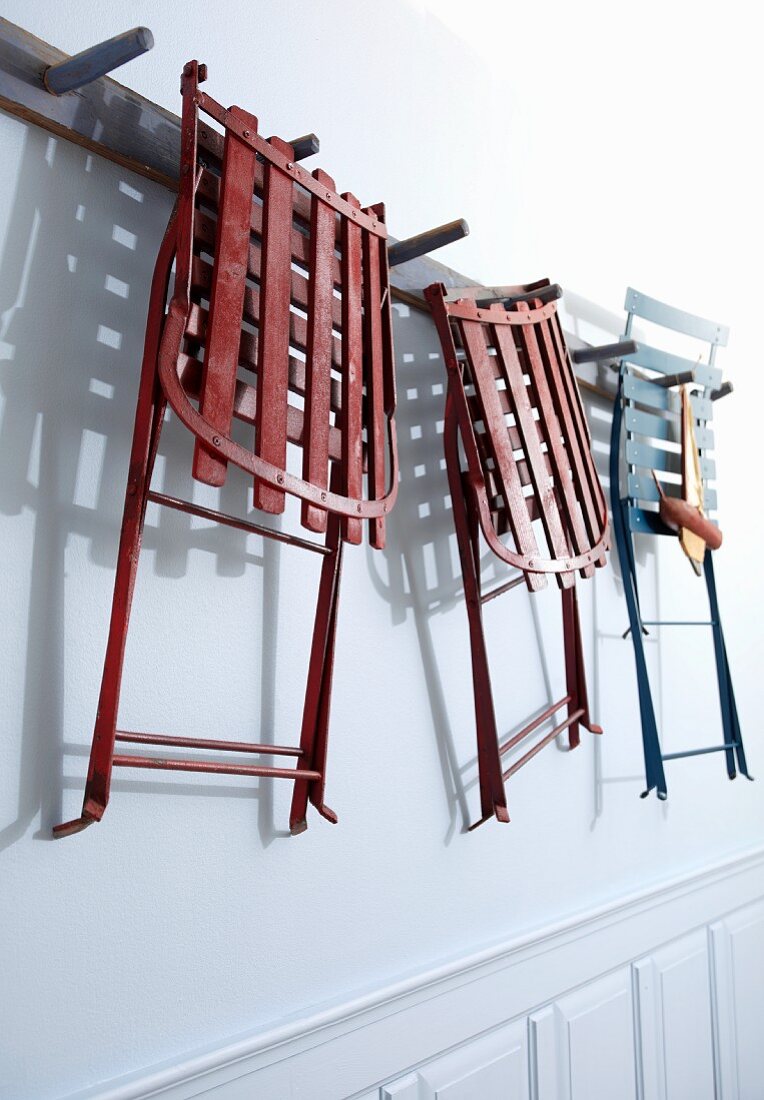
281, 288
513, 401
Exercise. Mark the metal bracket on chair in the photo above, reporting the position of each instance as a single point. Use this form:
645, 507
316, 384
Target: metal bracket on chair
605, 351
403, 251
87, 66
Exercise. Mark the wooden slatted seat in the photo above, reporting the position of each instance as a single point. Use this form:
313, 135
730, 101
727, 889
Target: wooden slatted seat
279, 316
530, 485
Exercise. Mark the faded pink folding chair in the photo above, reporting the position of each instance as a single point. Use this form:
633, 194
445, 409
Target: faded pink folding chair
280, 316
513, 405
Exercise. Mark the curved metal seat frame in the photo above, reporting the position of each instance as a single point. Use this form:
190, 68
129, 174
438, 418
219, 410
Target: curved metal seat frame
513, 401
281, 288
645, 437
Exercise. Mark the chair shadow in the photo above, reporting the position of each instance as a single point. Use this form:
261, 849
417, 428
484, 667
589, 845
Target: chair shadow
82, 239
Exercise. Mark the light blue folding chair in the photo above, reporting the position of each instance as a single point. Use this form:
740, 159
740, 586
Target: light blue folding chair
645, 438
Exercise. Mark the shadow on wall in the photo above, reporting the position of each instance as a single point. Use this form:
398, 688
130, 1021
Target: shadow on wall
75, 274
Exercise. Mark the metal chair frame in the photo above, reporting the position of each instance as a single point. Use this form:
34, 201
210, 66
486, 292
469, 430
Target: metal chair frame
646, 411
528, 457
277, 276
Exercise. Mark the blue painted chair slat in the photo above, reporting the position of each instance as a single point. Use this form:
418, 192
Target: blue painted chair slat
641, 487
643, 522
667, 363
659, 427
657, 397
653, 458
641, 305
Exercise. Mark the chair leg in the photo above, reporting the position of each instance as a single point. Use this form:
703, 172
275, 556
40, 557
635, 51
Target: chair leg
575, 670
148, 426
493, 799
730, 722
314, 736
654, 773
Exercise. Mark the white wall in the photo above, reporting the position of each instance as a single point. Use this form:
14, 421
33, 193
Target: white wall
579, 144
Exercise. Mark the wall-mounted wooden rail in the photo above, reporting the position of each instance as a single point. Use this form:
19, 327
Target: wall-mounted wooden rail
112, 120
75, 72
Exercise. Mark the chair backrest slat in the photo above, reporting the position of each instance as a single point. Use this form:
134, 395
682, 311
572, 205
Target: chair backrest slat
319, 349
496, 437
665, 362
530, 442
375, 379
641, 486
583, 434
646, 393
567, 413
639, 453
550, 430
273, 346
665, 428
209, 187
650, 309
352, 366
221, 353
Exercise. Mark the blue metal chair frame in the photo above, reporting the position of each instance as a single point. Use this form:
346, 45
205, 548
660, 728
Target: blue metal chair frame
649, 411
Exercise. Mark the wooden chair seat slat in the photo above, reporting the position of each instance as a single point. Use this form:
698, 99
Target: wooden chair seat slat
320, 351
226, 301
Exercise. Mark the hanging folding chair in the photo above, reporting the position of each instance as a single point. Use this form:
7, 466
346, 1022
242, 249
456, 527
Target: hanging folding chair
513, 404
281, 287
661, 419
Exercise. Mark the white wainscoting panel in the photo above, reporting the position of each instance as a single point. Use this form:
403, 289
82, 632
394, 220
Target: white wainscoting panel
738, 953
493, 1067
673, 1001
626, 1002
584, 1046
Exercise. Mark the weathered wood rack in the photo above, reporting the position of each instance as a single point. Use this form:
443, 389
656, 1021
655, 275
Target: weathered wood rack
115, 122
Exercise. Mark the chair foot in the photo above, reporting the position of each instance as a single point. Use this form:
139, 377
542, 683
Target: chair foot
69, 828
326, 813
500, 812
299, 826
661, 795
